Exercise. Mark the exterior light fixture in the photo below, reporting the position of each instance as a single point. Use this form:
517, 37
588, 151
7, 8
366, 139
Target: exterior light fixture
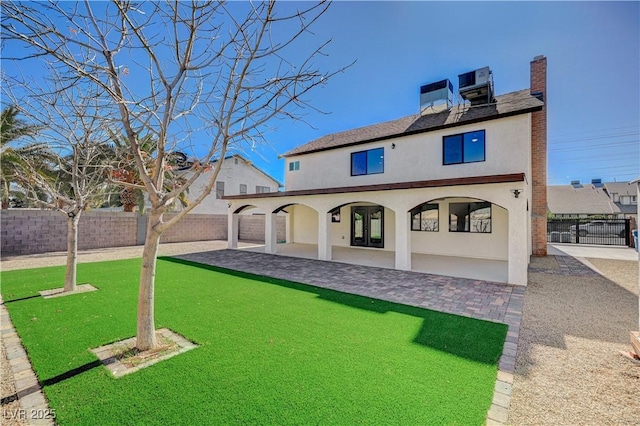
516, 192
393, 146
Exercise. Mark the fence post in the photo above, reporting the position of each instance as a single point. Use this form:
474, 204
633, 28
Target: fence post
577, 231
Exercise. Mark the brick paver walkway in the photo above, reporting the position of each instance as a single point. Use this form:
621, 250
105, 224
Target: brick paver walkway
472, 298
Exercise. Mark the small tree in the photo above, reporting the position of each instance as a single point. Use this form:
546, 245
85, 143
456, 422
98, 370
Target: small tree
200, 77
71, 173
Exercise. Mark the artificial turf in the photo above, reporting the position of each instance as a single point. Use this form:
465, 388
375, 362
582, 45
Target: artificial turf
271, 351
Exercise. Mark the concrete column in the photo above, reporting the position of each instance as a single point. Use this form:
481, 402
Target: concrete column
289, 226
232, 230
324, 236
403, 241
270, 233
518, 244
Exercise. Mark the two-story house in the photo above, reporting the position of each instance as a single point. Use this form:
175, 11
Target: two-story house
623, 194
237, 176
455, 190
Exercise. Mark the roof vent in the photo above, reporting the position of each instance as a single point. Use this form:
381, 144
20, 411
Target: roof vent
477, 86
436, 97
597, 183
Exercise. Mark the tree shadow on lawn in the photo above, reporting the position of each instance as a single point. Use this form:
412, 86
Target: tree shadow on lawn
472, 339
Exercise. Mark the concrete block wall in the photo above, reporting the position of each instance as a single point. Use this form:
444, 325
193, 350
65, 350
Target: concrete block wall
197, 227
43, 231
251, 228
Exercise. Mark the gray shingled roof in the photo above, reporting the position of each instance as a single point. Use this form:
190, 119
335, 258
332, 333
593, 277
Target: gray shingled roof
587, 199
620, 188
514, 103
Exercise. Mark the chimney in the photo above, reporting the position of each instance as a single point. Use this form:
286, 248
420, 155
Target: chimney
539, 158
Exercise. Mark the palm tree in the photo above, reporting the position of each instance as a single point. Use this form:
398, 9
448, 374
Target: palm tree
13, 158
126, 172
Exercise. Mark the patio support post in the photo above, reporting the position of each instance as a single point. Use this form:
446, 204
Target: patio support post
324, 236
403, 241
270, 233
518, 257
232, 230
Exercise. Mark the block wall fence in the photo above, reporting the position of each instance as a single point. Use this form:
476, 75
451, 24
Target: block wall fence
43, 231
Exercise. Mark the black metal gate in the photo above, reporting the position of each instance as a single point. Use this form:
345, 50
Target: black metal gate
579, 230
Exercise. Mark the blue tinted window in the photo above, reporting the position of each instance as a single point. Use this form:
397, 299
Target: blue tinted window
474, 146
464, 148
375, 161
367, 162
359, 163
453, 149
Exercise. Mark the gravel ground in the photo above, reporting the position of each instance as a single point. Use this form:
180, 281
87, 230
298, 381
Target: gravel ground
10, 410
10, 263
568, 368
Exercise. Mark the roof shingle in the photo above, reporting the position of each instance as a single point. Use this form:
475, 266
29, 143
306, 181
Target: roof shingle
513, 103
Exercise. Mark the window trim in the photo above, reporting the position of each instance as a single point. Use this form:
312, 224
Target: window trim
419, 210
219, 190
470, 231
484, 148
294, 165
367, 151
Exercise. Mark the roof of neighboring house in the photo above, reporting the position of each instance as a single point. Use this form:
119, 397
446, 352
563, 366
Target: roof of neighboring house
513, 103
187, 165
620, 188
586, 199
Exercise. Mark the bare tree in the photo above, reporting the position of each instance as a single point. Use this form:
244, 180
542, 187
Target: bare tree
71, 172
200, 77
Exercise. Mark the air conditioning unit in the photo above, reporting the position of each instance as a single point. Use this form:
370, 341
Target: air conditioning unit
436, 97
476, 86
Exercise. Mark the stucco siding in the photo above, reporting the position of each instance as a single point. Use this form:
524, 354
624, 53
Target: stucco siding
419, 157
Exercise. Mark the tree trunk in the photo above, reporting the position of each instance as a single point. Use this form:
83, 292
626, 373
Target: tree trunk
72, 252
146, 336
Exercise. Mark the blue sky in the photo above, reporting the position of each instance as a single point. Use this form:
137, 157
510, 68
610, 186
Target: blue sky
593, 53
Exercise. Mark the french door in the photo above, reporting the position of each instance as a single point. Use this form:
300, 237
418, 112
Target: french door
367, 226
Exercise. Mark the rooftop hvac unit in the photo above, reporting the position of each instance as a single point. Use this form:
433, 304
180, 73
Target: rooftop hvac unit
436, 97
476, 86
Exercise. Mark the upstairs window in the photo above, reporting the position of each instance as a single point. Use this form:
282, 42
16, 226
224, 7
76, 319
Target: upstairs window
425, 218
367, 162
262, 189
294, 165
470, 217
243, 189
219, 190
463, 148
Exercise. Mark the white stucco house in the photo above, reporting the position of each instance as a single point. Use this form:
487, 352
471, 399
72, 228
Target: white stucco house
237, 176
455, 190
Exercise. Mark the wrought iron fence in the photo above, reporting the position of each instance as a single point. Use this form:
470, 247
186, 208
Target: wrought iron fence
599, 230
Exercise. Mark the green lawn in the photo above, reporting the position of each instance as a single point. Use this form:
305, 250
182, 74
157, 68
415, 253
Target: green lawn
271, 351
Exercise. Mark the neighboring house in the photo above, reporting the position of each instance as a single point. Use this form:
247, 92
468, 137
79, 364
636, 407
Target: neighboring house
624, 195
580, 199
238, 176
463, 186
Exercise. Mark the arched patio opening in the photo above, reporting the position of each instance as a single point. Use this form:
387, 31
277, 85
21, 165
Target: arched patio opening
460, 236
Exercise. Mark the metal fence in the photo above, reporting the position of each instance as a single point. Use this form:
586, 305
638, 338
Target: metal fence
580, 230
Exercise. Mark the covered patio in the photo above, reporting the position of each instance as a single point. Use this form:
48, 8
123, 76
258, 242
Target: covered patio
476, 228
454, 266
